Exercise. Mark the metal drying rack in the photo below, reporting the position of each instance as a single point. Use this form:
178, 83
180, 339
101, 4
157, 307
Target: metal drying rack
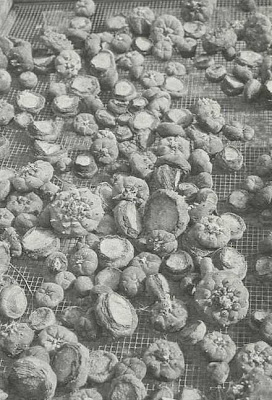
24, 21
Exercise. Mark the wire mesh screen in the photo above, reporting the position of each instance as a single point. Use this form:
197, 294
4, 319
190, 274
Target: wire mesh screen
25, 21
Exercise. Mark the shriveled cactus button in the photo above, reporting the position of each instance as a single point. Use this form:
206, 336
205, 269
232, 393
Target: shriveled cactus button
105, 191
13, 301
50, 152
230, 260
85, 166
232, 86
68, 63
143, 120
239, 200
75, 212
87, 326
255, 355
130, 188
4, 148
117, 107
57, 89
163, 392
218, 346
85, 85
265, 245
116, 314
106, 226
83, 262
235, 130
209, 116
236, 223
195, 29
32, 176
28, 80
161, 242
6, 112
41, 318
54, 336
23, 222
71, 315
216, 73
150, 263
5, 81
15, 338
43, 382
47, 130
105, 118
203, 61
249, 58
127, 383
49, 295
169, 315
115, 251
157, 286
188, 190
116, 22
114, 310
23, 119
128, 219
27, 203
256, 319
143, 44
84, 124
168, 368
166, 210
131, 365
252, 90
124, 90
242, 72
83, 285
192, 393
264, 267
30, 101
108, 277
5, 188
230, 153
181, 116
56, 262
37, 352
123, 133
4, 256
193, 333
152, 79
86, 393
39, 243
70, 364
102, 61
177, 265
121, 42
101, 366
175, 87
65, 105
6, 174
132, 281
218, 371
140, 20
266, 328
142, 163
222, 297
268, 89
229, 159
187, 47
6, 218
